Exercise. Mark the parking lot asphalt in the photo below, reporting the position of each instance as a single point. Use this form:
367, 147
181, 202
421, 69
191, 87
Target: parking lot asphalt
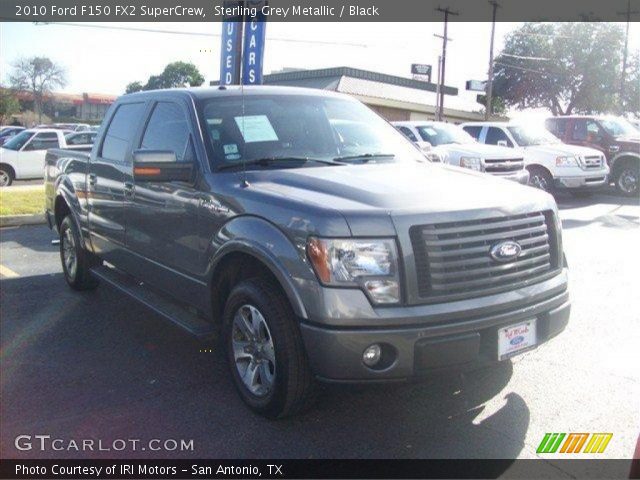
99, 365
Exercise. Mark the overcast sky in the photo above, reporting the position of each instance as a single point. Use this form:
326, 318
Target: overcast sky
106, 60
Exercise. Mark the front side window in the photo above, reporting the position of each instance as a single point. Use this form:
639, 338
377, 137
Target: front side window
44, 141
121, 131
168, 130
495, 135
474, 131
408, 133
300, 127
17, 142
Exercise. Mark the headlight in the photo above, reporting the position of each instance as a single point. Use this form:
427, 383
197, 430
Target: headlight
370, 264
473, 163
433, 157
566, 162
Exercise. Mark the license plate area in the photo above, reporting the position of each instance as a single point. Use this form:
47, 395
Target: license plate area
517, 338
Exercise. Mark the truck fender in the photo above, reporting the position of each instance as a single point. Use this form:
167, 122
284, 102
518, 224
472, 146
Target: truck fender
64, 189
623, 154
267, 243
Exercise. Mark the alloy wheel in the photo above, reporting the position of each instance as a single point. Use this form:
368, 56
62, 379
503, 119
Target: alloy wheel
628, 181
69, 253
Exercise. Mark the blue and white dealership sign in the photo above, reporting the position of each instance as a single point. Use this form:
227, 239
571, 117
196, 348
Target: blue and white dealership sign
253, 54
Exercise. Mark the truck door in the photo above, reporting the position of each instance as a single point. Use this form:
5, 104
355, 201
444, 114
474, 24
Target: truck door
162, 216
109, 170
31, 157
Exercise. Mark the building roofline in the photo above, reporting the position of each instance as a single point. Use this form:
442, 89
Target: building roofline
356, 73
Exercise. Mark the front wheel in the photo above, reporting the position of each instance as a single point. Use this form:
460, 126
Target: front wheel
627, 179
540, 178
6, 176
76, 261
265, 351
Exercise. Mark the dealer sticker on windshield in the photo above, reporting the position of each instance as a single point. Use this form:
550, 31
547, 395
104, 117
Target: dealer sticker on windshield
515, 339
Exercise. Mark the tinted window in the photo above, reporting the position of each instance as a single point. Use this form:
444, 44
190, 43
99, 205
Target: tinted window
473, 131
43, 141
408, 133
168, 130
121, 131
494, 135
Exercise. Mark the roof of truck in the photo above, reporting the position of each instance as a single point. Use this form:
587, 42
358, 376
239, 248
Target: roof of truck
203, 93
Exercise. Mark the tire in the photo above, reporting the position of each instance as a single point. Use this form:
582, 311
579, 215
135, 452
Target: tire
282, 383
76, 261
627, 179
540, 178
6, 176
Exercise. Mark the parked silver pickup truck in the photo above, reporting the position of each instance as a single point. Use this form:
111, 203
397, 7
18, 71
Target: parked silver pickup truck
337, 256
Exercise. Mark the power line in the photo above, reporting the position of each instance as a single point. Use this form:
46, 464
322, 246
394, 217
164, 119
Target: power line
523, 58
525, 69
197, 34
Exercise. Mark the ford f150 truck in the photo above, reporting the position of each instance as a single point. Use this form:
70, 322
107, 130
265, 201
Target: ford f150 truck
314, 255
615, 137
450, 144
552, 164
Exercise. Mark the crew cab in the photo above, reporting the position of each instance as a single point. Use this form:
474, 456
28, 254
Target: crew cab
22, 157
552, 164
450, 144
615, 137
313, 255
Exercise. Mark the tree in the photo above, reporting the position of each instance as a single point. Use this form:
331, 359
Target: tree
134, 87
176, 74
9, 105
37, 75
565, 67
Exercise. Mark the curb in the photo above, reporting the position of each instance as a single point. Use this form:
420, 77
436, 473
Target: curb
19, 220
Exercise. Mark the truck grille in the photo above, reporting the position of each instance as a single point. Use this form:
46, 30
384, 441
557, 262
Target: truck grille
503, 165
453, 260
593, 161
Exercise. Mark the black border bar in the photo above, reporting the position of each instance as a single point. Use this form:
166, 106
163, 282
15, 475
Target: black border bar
313, 469
316, 10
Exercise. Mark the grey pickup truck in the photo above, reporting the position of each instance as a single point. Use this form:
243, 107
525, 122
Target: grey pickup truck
310, 236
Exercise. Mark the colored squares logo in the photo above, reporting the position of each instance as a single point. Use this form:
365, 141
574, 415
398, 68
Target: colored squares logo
574, 442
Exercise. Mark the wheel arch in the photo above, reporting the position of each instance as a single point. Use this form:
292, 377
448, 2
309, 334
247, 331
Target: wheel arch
9, 168
622, 158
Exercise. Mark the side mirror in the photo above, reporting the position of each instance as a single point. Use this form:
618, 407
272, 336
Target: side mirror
502, 143
160, 166
423, 145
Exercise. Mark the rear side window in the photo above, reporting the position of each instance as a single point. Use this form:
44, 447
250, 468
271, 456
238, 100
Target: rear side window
121, 131
473, 131
494, 135
168, 129
408, 133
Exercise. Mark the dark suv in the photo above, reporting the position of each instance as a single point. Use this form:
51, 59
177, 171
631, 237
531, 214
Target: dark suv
615, 137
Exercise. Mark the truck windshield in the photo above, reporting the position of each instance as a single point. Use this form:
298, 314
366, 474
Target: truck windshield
17, 142
531, 136
618, 127
444, 135
282, 127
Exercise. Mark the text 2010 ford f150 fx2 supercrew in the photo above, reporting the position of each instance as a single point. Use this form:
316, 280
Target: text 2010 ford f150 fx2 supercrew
317, 254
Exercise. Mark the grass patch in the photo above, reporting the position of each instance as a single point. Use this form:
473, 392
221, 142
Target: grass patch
21, 202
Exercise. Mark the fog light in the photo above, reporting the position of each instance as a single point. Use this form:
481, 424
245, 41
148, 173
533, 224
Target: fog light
372, 355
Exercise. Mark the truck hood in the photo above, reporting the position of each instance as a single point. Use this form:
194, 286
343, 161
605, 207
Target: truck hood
474, 150
368, 195
559, 149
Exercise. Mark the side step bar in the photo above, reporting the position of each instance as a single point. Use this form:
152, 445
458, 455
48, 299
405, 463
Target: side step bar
160, 304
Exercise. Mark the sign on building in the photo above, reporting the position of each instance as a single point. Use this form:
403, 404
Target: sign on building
476, 85
422, 72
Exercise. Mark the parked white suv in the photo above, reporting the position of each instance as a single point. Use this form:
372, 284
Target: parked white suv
551, 163
22, 157
448, 143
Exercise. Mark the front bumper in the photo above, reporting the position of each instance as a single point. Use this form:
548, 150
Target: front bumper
520, 176
592, 180
469, 338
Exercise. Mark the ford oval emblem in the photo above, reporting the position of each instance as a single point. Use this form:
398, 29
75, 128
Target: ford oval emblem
516, 340
505, 251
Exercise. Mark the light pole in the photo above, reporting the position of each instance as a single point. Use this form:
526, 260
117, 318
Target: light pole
489, 96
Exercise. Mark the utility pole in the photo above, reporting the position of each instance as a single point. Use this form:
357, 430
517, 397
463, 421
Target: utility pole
489, 96
438, 90
447, 11
627, 14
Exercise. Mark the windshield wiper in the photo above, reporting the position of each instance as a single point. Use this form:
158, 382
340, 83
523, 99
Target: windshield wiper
269, 161
363, 157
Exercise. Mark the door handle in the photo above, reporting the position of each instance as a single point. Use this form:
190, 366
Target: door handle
93, 179
129, 189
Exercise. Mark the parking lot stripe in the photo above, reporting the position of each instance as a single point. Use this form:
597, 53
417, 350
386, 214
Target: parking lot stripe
6, 272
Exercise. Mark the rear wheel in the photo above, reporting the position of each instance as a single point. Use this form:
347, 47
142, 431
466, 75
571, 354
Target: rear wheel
265, 351
627, 178
540, 178
76, 261
6, 176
